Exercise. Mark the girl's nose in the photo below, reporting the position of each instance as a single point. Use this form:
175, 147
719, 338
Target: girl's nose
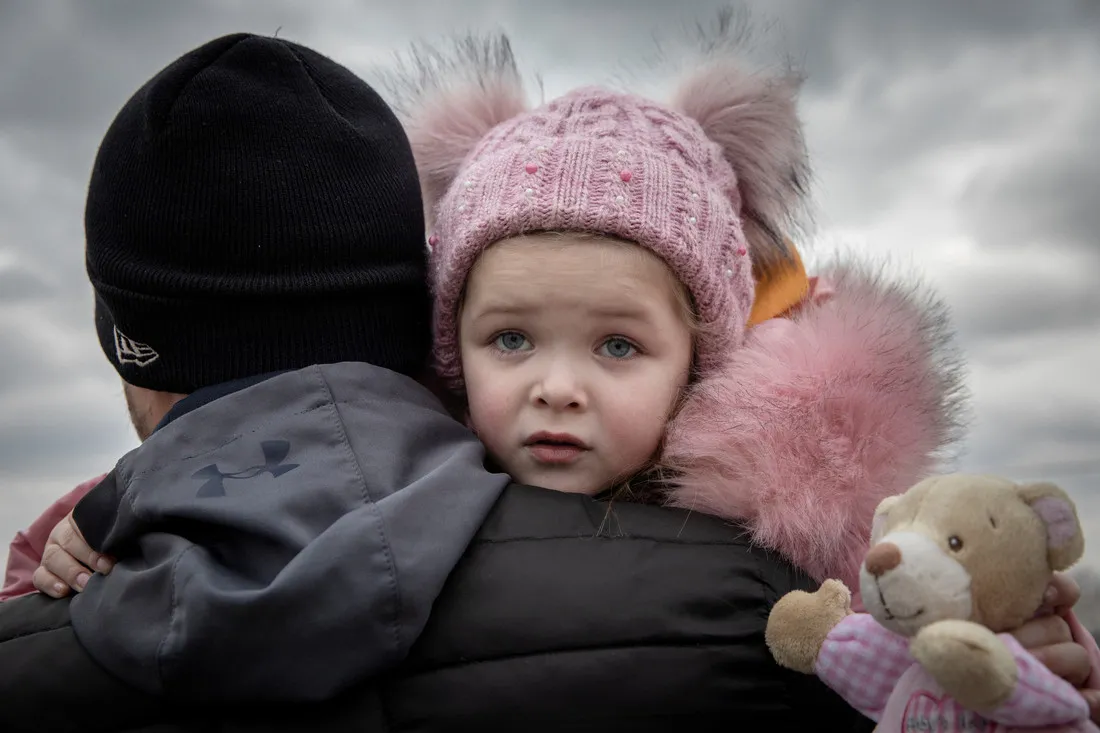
560, 389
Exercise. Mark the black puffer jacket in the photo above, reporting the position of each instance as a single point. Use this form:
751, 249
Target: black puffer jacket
566, 614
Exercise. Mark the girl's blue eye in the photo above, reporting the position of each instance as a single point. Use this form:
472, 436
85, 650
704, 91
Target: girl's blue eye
511, 341
618, 348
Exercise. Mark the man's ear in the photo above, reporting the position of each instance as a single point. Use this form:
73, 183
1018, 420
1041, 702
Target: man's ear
882, 512
1065, 539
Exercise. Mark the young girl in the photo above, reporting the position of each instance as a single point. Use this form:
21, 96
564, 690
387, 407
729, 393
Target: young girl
617, 307
595, 263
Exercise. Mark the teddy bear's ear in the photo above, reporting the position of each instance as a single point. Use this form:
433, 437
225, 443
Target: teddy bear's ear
882, 512
1065, 539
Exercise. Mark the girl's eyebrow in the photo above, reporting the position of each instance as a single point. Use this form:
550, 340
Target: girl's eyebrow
623, 311
502, 308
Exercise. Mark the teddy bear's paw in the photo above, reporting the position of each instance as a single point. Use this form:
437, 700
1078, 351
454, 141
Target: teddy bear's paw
800, 621
968, 661
835, 597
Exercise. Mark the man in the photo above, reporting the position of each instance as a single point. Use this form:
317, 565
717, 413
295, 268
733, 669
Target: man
254, 210
285, 528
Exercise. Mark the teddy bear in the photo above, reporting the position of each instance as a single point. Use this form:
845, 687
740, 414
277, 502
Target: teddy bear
955, 563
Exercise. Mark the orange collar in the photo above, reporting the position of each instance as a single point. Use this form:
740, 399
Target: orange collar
781, 291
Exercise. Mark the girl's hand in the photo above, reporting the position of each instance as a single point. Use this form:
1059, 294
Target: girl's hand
1049, 639
67, 561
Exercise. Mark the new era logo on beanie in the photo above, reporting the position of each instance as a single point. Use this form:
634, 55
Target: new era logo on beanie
128, 351
255, 207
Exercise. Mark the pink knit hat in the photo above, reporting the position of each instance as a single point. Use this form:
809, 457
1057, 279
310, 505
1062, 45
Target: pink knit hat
704, 183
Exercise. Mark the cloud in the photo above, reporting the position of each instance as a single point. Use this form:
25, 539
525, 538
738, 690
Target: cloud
1044, 198
21, 285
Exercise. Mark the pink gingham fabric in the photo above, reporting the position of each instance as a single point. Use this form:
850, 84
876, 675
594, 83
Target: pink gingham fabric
863, 662
872, 669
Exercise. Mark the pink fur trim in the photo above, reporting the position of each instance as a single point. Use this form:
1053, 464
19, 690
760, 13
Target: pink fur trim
448, 103
818, 418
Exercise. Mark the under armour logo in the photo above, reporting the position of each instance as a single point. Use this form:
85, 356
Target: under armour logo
274, 453
129, 351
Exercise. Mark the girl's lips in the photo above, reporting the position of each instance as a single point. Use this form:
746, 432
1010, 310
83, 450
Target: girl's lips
555, 448
555, 438
555, 453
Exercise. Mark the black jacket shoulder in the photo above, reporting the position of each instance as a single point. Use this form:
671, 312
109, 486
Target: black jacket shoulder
581, 615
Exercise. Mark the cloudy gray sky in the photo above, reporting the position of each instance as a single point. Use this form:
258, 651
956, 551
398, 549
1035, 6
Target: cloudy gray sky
962, 139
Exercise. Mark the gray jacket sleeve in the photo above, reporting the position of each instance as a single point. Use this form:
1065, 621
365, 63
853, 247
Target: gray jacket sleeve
282, 542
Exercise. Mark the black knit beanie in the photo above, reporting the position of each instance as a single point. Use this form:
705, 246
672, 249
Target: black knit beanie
254, 208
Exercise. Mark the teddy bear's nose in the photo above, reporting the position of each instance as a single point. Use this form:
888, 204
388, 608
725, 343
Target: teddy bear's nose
883, 557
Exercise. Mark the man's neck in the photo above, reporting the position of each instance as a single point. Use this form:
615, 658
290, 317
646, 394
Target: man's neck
147, 407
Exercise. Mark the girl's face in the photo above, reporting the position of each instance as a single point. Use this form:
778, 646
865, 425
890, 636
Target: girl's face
574, 352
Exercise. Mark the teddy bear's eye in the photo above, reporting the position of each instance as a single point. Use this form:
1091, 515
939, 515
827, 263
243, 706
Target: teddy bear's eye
955, 543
